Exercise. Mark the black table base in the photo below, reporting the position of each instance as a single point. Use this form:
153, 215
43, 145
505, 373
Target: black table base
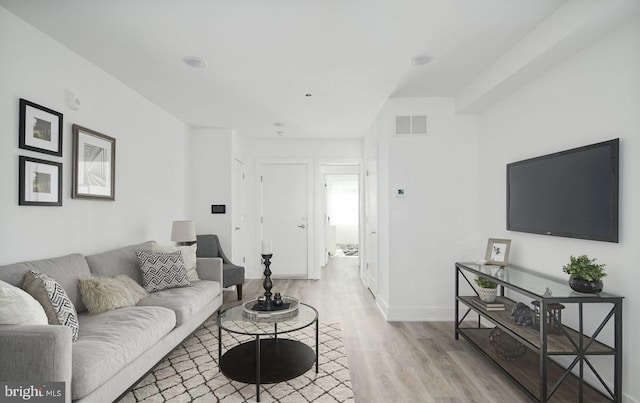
280, 360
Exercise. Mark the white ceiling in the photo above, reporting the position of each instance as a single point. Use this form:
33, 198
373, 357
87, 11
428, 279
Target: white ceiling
265, 55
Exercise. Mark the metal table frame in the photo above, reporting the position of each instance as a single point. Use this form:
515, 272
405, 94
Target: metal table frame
257, 336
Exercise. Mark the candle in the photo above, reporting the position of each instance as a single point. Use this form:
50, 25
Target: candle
266, 248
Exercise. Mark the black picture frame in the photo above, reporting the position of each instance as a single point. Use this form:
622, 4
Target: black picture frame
40, 128
40, 182
94, 165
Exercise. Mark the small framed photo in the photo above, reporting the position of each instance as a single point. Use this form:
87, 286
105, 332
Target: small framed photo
94, 165
498, 251
40, 129
40, 182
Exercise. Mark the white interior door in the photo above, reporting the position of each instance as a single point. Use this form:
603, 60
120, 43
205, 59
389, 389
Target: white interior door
285, 213
237, 213
370, 275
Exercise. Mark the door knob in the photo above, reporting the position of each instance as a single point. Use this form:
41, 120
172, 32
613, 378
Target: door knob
302, 226
237, 228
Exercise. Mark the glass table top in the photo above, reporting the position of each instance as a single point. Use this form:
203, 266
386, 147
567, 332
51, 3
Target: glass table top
539, 284
233, 320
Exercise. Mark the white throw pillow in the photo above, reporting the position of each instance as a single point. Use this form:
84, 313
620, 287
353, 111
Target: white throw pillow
17, 307
188, 256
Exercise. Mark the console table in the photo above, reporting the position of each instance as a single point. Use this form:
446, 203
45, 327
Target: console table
540, 377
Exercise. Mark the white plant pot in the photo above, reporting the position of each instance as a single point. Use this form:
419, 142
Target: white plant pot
488, 294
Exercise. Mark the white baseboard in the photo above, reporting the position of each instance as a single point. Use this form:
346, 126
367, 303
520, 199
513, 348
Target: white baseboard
383, 306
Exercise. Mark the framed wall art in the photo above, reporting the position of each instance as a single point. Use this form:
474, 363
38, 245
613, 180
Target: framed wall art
40, 129
40, 182
498, 251
94, 165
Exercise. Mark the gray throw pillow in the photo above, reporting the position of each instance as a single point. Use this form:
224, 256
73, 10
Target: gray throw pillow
102, 294
54, 300
161, 271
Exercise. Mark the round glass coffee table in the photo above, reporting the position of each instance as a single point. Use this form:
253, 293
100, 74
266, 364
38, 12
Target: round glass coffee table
267, 358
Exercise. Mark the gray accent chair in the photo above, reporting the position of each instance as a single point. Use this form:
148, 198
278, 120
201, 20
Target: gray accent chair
209, 246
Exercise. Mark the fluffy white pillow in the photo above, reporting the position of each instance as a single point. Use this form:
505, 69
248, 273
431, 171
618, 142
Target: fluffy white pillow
188, 256
102, 294
17, 307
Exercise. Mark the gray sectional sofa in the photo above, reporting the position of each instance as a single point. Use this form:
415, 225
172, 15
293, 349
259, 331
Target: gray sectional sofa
116, 348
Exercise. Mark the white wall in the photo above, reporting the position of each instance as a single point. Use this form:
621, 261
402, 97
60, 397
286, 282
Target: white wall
210, 183
592, 97
150, 158
316, 151
435, 223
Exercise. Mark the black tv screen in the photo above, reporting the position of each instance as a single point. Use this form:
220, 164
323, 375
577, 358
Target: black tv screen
572, 193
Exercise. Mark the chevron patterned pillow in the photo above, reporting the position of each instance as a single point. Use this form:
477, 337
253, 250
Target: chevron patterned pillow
54, 300
161, 271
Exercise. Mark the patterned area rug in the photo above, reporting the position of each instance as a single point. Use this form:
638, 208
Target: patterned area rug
349, 249
190, 373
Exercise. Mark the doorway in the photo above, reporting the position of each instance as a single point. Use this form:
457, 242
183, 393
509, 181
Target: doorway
340, 208
343, 199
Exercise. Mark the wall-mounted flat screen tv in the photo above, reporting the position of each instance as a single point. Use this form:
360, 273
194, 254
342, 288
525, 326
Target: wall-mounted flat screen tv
572, 193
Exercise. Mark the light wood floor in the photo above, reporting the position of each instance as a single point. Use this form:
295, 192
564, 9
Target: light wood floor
412, 362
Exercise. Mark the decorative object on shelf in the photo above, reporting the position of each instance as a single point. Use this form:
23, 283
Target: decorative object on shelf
506, 346
40, 182
554, 317
498, 251
489, 306
183, 232
584, 274
487, 289
94, 165
521, 315
40, 129
257, 311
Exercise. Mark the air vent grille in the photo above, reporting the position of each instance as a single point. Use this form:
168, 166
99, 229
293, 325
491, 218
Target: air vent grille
415, 125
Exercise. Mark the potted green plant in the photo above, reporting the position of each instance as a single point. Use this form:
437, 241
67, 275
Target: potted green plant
584, 274
487, 289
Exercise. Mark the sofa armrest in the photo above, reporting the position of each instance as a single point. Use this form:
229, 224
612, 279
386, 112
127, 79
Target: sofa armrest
209, 268
36, 353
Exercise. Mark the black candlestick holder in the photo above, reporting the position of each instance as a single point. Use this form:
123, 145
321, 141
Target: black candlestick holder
267, 284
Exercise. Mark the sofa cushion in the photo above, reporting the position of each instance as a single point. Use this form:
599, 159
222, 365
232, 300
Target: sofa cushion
118, 261
19, 308
188, 256
66, 270
50, 294
184, 301
101, 294
161, 271
113, 340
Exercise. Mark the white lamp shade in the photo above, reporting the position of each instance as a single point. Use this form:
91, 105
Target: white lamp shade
183, 231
